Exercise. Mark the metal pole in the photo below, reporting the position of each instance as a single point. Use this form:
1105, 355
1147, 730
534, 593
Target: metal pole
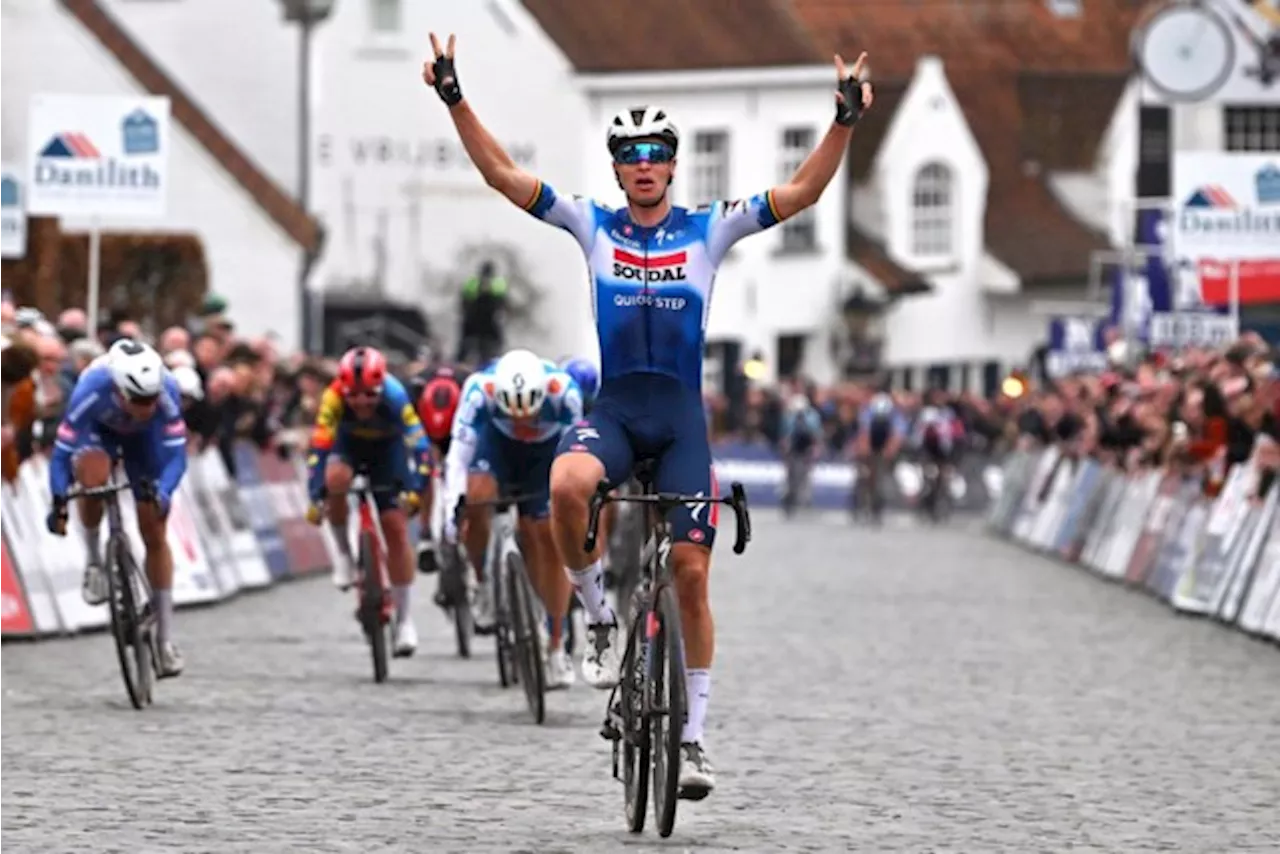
95, 275
306, 339
1234, 296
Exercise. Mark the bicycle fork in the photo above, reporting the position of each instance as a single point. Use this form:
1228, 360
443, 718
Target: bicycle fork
631, 701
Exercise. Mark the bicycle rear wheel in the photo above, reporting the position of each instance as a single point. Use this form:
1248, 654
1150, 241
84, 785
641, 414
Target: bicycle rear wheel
667, 684
371, 595
133, 643
637, 741
524, 626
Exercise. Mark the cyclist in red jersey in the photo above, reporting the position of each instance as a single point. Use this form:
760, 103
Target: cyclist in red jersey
436, 406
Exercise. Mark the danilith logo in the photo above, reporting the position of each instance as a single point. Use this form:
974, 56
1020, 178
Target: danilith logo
1211, 196
71, 160
1211, 211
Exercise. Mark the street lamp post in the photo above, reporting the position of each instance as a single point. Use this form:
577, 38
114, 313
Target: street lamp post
306, 14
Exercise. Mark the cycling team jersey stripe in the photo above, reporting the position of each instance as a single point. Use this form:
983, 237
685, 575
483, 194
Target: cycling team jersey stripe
773, 206
672, 260
533, 200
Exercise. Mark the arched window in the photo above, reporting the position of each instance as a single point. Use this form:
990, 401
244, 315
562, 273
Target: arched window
932, 212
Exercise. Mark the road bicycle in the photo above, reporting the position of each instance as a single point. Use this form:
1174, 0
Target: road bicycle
133, 619
517, 611
868, 490
648, 706
455, 590
374, 606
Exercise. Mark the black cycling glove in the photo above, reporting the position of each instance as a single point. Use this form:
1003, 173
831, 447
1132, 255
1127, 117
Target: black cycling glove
446, 80
849, 110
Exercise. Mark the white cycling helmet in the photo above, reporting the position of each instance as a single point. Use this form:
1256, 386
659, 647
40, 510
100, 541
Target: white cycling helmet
882, 404
520, 383
642, 123
137, 369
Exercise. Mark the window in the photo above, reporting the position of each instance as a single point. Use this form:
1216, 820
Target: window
790, 354
932, 220
800, 233
710, 167
384, 16
1251, 128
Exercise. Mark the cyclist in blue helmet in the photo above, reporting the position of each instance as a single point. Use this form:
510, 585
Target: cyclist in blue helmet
587, 376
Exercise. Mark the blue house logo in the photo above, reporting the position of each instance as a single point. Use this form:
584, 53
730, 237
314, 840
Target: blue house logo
1268, 183
10, 195
141, 134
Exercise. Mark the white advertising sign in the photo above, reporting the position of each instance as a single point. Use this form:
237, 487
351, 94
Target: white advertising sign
1227, 205
14, 239
92, 155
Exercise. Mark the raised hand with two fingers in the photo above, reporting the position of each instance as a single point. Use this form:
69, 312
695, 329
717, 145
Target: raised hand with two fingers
853, 94
440, 74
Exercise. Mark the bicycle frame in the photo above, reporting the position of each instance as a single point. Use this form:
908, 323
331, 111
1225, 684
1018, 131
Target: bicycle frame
370, 522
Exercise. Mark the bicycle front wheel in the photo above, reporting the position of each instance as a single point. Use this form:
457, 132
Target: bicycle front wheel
133, 643
669, 705
528, 651
371, 595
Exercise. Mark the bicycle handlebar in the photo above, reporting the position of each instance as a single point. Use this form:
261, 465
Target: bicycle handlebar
98, 491
737, 499
500, 501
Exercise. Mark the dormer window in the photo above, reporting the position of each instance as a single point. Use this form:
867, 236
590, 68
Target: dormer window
933, 213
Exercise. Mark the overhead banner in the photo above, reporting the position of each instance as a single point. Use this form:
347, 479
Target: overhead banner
98, 155
13, 240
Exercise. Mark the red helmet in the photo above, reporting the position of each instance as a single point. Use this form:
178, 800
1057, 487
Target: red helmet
362, 368
436, 406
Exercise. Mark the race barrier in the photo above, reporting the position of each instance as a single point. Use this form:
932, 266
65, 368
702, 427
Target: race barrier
227, 535
1152, 530
973, 484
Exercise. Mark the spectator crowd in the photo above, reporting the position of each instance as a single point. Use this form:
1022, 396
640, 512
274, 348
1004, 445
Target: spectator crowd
1198, 409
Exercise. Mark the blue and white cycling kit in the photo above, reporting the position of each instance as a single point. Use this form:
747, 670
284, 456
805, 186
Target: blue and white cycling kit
517, 453
153, 449
879, 429
651, 294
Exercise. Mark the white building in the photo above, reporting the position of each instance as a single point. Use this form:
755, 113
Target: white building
406, 212
990, 169
252, 231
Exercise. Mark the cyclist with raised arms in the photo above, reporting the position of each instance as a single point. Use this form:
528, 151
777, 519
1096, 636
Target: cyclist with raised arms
366, 419
126, 407
505, 436
652, 266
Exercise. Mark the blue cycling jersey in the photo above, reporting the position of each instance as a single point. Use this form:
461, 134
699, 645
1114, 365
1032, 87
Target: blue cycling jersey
96, 408
478, 411
652, 285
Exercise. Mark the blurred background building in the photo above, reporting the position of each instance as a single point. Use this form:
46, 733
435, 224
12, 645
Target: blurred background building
993, 188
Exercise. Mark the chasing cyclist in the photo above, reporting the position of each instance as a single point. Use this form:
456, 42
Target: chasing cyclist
882, 431
504, 440
437, 405
367, 421
652, 266
125, 407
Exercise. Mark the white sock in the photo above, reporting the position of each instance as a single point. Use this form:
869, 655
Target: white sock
400, 596
163, 600
698, 685
341, 537
589, 585
93, 544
